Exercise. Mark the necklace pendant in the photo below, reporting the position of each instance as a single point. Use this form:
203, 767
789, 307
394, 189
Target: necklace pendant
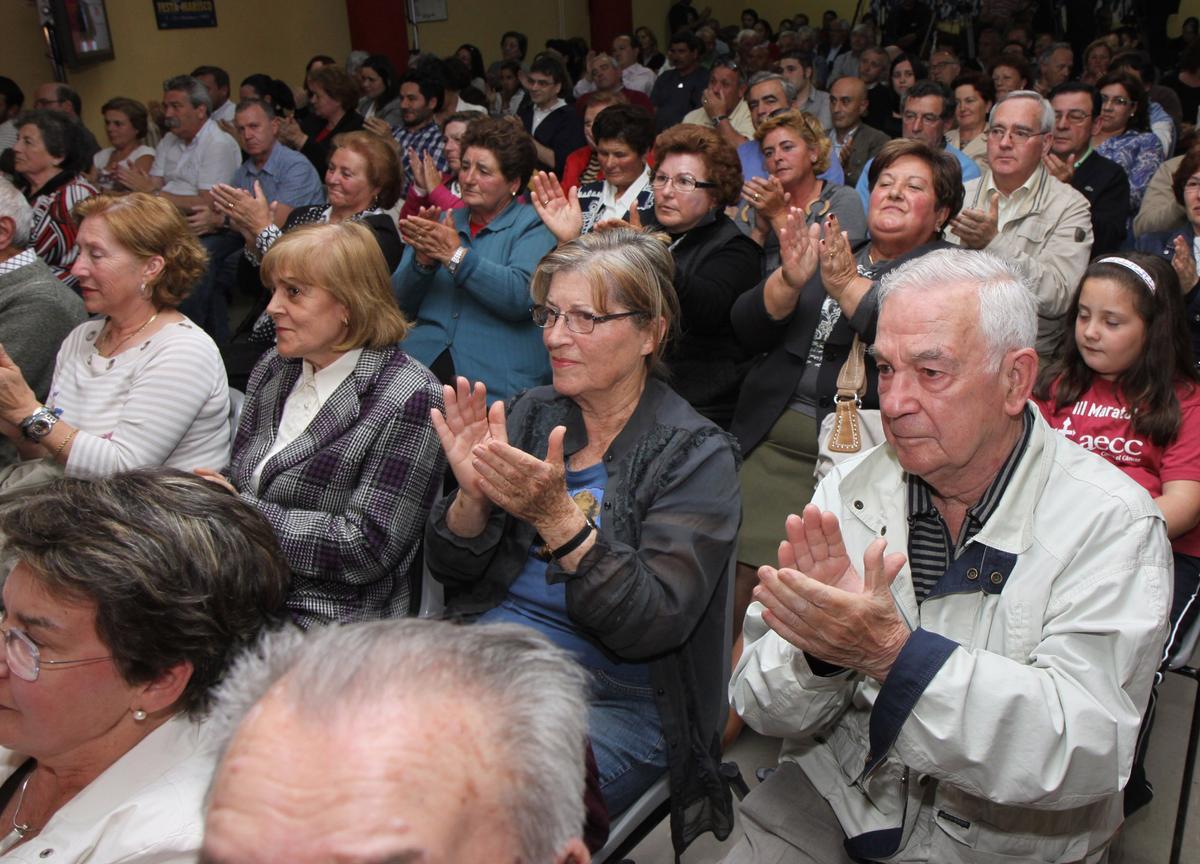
21, 828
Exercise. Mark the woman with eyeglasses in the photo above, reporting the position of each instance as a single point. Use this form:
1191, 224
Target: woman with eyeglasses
116, 629
602, 511
697, 176
1123, 133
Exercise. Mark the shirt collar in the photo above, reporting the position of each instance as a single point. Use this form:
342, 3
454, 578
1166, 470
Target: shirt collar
22, 259
1030, 183
329, 378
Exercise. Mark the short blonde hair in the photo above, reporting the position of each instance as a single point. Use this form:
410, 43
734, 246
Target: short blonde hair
344, 259
807, 127
147, 227
623, 267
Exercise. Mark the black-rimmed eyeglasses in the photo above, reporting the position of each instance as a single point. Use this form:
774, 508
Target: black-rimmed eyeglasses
582, 323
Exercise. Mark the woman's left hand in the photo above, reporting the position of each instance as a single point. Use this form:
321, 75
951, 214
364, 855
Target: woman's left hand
529, 488
216, 478
434, 240
16, 398
838, 268
766, 195
1184, 264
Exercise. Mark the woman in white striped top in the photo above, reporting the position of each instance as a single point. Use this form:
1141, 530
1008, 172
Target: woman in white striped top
139, 384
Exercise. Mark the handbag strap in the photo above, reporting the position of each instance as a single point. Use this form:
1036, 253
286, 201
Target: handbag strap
852, 378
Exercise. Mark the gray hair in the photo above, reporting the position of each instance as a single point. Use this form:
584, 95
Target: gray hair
179, 570
196, 92
1045, 56
806, 32
789, 89
14, 206
1044, 107
255, 102
603, 55
1007, 308
535, 692
743, 35
355, 60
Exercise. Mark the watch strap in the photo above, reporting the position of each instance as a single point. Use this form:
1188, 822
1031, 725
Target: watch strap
575, 542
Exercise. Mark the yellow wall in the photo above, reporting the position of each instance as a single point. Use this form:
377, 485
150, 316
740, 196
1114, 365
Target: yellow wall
272, 36
480, 22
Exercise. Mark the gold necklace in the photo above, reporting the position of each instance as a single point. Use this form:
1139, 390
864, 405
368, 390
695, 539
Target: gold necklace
108, 333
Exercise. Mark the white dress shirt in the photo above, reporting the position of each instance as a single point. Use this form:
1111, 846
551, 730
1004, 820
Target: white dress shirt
189, 168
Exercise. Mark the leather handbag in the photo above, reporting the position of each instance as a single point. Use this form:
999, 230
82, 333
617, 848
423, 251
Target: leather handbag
848, 430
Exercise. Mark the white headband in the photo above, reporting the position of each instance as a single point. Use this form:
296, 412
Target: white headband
1130, 266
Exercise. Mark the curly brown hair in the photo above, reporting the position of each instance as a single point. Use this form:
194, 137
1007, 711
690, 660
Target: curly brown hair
721, 160
148, 226
807, 127
508, 142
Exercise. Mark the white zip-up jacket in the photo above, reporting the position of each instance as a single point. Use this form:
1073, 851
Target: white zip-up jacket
1006, 727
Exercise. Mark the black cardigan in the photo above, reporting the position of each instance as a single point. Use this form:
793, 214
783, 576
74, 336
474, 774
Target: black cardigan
784, 345
561, 131
318, 151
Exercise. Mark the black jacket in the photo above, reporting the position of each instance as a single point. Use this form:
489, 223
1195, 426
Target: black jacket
318, 151
655, 585
714, 265
1105, 185
561, 131
784, 345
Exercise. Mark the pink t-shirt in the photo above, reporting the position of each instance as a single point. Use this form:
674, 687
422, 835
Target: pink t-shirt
1100, 422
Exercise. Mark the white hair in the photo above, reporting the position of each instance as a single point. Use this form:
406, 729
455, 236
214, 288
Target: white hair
1044, 106
1007, 308
14, 206
534, 692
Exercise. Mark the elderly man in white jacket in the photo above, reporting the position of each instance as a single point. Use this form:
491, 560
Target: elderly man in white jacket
976, 692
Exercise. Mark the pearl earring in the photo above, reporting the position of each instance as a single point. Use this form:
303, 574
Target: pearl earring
142, 289
139, 715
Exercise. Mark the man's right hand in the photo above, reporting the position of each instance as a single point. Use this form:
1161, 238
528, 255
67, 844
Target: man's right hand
1061, 169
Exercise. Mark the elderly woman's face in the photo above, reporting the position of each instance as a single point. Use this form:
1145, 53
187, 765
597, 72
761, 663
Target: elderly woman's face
110, 276
309, 320
454, 133
347, 183
903, 211
324, 105
30, 156
677, 210
609, 358
622, 164
485, 189
71, 711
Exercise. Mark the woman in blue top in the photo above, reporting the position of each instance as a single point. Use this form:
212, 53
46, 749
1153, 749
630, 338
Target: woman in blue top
464, 279
608, 523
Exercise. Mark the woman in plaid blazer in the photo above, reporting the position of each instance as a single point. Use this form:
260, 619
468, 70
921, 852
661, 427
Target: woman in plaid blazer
335, 446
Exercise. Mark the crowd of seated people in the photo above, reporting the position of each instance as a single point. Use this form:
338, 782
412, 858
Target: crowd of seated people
574, 333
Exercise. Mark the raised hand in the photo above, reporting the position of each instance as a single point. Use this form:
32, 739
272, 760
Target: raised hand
1184, 264
532, 489
838, 268
977, 228
465, 424
560, 213
799, 249
1061, 169
431, 240
818, 601
378, 126
766, 195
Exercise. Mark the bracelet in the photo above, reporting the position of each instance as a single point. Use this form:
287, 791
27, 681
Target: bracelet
63, 446
575, 542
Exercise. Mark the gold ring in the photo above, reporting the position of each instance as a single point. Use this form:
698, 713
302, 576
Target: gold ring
757, 197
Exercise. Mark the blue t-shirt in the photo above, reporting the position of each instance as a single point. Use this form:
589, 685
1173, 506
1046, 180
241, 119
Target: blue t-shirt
534, 602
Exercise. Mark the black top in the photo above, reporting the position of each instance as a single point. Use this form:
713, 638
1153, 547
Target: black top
1105, 185
561, 131
674, 95
318, 151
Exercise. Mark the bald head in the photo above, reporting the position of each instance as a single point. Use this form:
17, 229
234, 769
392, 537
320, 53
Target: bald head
847, 103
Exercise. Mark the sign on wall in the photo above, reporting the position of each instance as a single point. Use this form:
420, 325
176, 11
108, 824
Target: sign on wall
421, 11
180, 14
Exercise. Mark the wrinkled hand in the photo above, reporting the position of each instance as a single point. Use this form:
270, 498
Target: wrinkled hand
532, 489
16, 398
766, 195
378, 126
838, 268
1184, 263
464, 425
560, 213
436, 241
799, 249
247, 213
135, 179
977, 228
818, 601
1061, 169
216, 478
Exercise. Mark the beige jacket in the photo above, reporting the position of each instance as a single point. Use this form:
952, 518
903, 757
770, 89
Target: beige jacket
1050, 240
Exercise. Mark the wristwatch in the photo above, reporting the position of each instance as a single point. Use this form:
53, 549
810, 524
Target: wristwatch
459, 254
37, 425
716, 121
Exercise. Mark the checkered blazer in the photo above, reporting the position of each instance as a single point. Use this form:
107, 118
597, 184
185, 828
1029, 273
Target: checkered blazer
350, 496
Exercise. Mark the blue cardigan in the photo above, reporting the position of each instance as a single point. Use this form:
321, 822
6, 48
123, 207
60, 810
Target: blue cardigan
481, 313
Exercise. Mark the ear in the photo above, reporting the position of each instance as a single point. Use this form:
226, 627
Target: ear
152, 268
1019, 369
163, 692
1047, 141
655, 334
575, 852
8, 228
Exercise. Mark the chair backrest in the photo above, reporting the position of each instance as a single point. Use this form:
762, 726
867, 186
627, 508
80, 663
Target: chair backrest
237, 399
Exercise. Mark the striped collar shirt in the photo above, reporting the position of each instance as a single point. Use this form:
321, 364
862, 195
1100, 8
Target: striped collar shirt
930, 548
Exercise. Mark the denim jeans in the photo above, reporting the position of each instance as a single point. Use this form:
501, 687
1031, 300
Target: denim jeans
206, 304
627, 738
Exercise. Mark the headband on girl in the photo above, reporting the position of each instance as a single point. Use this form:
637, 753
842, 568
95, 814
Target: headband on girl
1131, 267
